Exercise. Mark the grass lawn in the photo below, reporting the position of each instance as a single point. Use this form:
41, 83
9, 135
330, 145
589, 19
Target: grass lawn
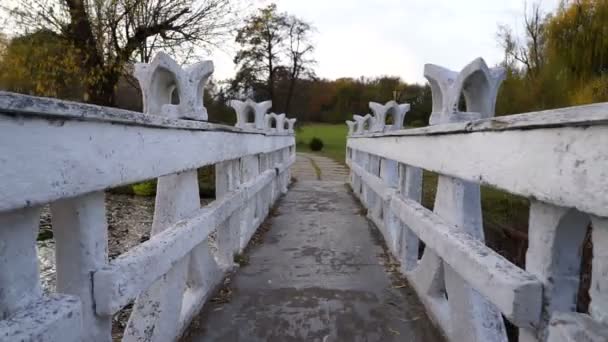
505, 216
333, 137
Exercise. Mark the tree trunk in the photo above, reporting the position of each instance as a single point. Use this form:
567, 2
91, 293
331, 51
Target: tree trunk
292, 86
101, 92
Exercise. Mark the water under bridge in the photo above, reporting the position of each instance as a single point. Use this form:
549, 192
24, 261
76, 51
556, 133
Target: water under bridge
326, 252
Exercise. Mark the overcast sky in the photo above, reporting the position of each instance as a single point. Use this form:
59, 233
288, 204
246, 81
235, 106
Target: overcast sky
397, 37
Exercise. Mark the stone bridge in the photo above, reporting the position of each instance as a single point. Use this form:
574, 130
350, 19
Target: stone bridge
339, 254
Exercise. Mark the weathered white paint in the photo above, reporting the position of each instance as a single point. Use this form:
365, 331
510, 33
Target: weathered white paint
135, 270
290, 125
496, 159
478, 83
598, 307
79, 157
52, 318
227, 179
362, 122
458, 278
243, 108
514, 291
279, 122
381, 111
351, 127
66, 154
81, 240
410, 186
575, 327
19, 280
555, 239
162, 76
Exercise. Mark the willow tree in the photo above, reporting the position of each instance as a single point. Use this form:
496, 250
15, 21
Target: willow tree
109, 34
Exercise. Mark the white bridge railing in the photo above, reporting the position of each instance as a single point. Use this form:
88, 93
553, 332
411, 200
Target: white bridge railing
67, 154
558, 159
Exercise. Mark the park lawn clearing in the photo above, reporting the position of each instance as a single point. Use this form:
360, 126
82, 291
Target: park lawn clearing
332, 135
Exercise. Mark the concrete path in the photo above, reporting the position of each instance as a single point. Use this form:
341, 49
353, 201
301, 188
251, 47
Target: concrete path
310, 166
319, 275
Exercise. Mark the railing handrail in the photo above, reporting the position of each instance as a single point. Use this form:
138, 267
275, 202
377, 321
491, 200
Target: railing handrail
575, 116
66, 154
555, 158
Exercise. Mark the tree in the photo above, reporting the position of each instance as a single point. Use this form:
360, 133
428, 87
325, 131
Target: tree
531, 52
41, 64
299, 53
563, 61
259, 58
275, 47
109, 34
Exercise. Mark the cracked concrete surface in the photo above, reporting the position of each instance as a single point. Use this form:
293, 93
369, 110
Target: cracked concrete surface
318, 276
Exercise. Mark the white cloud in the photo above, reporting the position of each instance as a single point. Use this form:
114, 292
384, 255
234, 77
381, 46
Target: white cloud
397, 37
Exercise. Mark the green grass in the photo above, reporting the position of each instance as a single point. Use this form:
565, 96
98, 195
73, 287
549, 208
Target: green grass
504, 214
333, 137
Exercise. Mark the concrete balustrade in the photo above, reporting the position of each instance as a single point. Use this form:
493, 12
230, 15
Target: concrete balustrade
554, 158
67, 154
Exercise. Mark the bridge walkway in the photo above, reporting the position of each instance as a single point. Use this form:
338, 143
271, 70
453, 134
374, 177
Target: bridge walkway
321, 274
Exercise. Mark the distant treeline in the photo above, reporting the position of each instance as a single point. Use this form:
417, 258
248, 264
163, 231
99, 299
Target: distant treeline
561, 60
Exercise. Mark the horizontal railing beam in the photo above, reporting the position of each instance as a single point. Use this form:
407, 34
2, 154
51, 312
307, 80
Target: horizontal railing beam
516, 293
134, 271
554, 165
46, 160
50, 318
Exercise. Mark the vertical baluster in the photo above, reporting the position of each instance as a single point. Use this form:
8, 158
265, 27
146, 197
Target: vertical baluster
81, 237
249, 170
599, 278
459, 203
472, 317
285, 174
354, 179
410, 186
19, 278
228, 233
389, 173
26, 315
555, 238
159, 309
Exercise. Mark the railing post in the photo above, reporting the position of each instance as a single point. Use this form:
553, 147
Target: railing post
161, 311
228, 233
249, 170
410, 186
81, 238
598, 308
458, 202
19, 278
389, 173
555, 238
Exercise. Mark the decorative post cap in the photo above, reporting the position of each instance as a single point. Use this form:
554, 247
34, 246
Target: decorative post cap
162, 76
478, 83
360, 120
259, 110
351, 127
290, 125
279, 122
380, 112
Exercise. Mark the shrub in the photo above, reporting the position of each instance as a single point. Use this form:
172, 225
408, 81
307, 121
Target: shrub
147, 188
316, 144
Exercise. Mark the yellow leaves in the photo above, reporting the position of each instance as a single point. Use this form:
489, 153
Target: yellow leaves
41, 64
593, 91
